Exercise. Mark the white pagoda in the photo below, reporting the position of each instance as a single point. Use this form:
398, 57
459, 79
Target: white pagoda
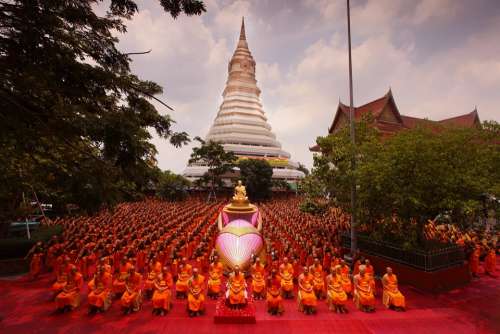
241, 125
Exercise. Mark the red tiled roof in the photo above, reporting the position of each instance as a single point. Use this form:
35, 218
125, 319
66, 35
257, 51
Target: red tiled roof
468, 120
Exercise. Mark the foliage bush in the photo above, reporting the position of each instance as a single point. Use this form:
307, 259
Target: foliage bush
19, 247
313, 207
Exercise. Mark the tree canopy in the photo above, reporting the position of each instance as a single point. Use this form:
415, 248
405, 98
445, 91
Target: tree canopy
218, 161
74, 119
257, 177
414, 175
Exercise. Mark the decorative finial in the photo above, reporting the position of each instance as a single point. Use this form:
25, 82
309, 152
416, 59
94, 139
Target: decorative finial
242, 33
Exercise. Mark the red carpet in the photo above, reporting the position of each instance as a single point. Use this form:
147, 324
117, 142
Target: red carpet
25, 308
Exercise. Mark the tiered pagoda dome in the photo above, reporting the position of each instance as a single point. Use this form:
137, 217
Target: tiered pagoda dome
241, 125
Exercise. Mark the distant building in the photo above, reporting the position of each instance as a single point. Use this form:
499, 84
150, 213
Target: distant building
389, 121
241, 125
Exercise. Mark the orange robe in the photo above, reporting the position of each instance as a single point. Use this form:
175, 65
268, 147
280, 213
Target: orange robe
392, 295
237, 286
335, 291
132, 296
182, 281
100, 291
363, 293
318, 281
370, 272
286, 273
61, 281
306, 295
70, 295
152, 276
196, 299
36, 265
490, 262
346, 280
274, 299
119, 282
258, 280
474, 261
162, 296
214, 277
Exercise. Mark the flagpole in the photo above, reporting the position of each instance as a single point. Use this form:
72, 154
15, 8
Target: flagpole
354, 245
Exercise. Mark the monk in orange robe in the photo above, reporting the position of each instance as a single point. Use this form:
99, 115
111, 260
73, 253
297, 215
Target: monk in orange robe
215, 278
306, 298
392, 297
131, 299
153, 275
185, 273
273, 298
258, 280
370, 273
162, 297
318, 283
119, 282
490, 261
474, 261
336, 296
196, 299
100, 294
69, 298
236, 294
346, 279
286, 273
363, 293
61, 278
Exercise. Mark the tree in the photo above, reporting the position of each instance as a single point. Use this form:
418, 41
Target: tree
416, 174
257, 177
74, 120
218, 161
172, 187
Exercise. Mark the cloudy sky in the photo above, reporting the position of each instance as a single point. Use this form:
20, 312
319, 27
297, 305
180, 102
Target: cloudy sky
440, 57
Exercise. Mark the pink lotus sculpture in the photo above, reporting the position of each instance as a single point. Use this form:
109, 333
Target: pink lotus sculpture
240, 226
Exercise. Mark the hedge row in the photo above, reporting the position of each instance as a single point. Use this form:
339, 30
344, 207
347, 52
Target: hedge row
11, 248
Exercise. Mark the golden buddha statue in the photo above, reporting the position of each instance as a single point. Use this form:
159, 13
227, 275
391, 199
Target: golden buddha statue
240, 202
240, 193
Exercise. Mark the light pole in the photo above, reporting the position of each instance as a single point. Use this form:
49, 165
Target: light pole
354, 245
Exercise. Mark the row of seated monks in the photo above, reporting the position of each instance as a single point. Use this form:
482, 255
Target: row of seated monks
312, 285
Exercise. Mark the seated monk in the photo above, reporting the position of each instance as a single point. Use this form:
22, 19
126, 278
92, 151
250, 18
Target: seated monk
215, 278
370, 272
336, 296
185, 273
346, 279
258, 280
392, 297
306, 298
69, 298
153, 275
286, 274
236, 294
363, 293
162, 297
119, 282
490, 261
196, 299
274, 299
131, 299
61, 279
100, 288
318, 283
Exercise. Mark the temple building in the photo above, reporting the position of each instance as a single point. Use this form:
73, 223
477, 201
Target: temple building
388, 120
241, 125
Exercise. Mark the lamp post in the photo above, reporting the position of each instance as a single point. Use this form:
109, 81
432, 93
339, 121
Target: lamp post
354, 245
